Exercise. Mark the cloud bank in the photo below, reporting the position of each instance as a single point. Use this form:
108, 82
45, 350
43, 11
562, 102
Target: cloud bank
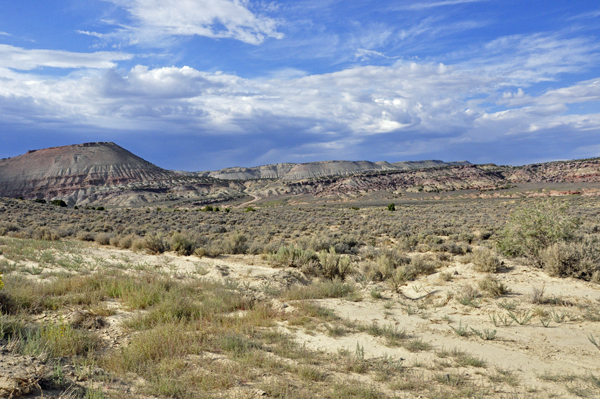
421, 105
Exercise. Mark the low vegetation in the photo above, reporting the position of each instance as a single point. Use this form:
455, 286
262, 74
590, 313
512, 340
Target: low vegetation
149, 303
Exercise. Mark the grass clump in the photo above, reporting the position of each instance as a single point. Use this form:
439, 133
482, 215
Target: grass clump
335, 288
492, 286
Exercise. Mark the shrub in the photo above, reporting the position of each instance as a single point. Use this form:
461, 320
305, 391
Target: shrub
182, 245
391, 207
573, 259
289, 255
492, 286
532, 229
154, 244
326, 289
387, 263
103, 238
485, 260
334, 265
60, 203
236, 244
86, 236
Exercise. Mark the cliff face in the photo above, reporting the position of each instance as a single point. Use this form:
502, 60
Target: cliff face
59, 170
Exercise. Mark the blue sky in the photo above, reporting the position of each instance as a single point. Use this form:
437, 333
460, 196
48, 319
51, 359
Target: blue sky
206, 84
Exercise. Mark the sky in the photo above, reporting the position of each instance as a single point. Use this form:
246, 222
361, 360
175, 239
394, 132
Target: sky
207, 84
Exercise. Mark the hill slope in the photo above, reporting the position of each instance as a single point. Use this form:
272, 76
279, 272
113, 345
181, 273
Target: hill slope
58, 170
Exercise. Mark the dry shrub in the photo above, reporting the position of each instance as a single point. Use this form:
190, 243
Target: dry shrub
492, 286
126, 242
103, 238
86, 236
291, 256
485, 260
138, 244
532, 229
154, 244
573, 259
114, 241
236, 244
386, 264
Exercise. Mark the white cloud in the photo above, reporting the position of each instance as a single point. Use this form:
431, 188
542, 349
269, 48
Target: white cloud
22, 59
425, 5
155, 19
4, 34
586, 15
419, 103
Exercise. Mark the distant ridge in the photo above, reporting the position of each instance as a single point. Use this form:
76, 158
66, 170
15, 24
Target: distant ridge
107, 174
299, 171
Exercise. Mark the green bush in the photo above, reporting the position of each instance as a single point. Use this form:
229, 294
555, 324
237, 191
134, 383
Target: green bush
532, 229
334, 265
182, 245
391, 207
60, 203
237, 244
291, 256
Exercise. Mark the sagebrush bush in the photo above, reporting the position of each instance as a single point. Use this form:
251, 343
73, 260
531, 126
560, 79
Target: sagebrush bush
291, 256
182, 245
236, 244
580, 259
334, 265
154, 244
485, 260
532, 229
103, 238
86, 236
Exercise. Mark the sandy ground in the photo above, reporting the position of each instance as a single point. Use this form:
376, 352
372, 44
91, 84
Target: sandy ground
426, 309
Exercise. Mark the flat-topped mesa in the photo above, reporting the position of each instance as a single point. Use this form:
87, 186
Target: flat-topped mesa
291, 171
61, 169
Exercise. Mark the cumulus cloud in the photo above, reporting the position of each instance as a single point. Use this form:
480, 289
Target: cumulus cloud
22, 59
420, 105
154, 19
